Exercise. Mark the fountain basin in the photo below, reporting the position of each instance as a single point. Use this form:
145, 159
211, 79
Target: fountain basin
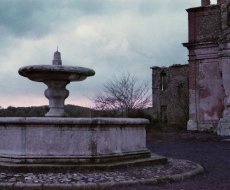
71, 140
43, 73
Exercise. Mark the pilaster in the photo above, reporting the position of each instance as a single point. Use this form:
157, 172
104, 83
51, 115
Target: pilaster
224, 123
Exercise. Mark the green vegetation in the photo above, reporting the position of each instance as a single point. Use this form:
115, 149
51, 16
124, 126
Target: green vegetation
40, 111
71, 110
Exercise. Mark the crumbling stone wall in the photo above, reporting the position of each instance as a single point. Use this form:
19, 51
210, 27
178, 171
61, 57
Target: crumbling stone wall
208, 73
170, 94
209, 60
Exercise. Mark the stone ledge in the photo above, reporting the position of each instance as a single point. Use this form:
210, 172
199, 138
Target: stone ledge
72, 160
73, 121
119, 163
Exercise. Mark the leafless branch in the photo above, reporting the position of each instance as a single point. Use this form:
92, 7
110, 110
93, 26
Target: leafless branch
123, 94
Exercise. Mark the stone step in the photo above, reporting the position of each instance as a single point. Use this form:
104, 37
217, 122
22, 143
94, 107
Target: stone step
153, 160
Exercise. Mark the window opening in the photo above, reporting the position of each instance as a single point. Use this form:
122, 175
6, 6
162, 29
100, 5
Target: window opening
213, 2
163, 81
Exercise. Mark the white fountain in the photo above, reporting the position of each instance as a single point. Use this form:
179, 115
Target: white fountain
57, 142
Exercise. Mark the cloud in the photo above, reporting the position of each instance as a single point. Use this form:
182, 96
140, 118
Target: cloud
110, 36
37, 18
21, 17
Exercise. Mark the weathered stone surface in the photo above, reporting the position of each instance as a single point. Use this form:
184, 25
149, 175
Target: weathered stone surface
192, 125
170, 94
205, 2
41, 73
208, 73
71, 140
220, 1
56, 94
209, 79
224, 127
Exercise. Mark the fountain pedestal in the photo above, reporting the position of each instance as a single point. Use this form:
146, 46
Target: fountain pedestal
56, 93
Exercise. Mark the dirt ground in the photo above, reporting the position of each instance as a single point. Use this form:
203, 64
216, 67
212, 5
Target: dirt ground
209, 150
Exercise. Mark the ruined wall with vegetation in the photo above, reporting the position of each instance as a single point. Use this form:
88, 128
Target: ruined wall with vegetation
170, 94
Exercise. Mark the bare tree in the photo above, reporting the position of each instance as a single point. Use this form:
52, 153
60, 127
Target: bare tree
125, 94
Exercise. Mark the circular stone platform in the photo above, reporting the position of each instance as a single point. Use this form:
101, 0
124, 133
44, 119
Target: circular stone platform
174, 170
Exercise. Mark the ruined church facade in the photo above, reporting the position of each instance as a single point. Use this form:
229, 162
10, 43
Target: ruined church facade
209, 67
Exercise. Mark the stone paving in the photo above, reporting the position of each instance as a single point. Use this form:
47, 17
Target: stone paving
119, 176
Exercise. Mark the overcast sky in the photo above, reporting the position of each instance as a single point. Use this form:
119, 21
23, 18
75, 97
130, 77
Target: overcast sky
110, 36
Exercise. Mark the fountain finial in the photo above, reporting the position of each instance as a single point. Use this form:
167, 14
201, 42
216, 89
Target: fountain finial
57, 58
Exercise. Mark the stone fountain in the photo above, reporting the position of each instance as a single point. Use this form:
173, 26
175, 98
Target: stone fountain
56, 77
56, 142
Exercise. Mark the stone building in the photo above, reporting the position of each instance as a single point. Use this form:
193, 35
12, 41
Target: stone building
208, 73
170, 94
209, 67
